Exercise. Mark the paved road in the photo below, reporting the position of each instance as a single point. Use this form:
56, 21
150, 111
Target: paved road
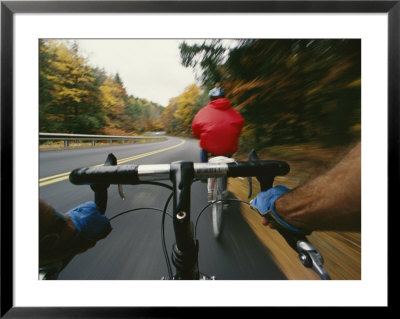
133, 249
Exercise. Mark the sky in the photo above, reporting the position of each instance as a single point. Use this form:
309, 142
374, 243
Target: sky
149, 69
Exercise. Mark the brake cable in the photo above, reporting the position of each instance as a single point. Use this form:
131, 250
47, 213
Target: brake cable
212, 203
309, 257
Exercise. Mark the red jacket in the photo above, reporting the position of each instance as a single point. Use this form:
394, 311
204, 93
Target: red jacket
218, 126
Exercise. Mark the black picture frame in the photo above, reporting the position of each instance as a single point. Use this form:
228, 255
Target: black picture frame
9, 8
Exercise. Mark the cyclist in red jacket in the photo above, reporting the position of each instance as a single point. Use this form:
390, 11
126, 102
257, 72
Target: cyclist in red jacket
217, 126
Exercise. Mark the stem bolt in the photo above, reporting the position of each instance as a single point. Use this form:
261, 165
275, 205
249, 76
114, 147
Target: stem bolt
181, 215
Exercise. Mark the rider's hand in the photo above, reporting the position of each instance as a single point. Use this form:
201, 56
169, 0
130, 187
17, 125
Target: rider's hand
89, 222
265, 203
62, 236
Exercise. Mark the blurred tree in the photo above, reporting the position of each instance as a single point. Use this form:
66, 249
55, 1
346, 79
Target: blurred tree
207, 58
288, 90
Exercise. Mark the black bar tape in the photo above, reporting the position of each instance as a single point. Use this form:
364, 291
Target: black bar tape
123, 174
260, 168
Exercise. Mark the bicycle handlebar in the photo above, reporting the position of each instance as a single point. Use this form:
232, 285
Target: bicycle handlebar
182, 174
137, 174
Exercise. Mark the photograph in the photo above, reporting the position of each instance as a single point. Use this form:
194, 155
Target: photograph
165, 157
282, 111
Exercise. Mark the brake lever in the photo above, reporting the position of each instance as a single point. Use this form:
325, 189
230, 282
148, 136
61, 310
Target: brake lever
100, 190
121, 192
310, 257
266, 182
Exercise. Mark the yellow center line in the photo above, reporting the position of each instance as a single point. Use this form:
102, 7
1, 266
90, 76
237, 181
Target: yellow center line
63, 176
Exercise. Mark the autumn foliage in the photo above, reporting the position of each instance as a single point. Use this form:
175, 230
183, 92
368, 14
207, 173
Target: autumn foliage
77, 98
177, 117
288, 90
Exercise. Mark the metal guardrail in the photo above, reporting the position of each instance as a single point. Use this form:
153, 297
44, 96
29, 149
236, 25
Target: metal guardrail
93, 138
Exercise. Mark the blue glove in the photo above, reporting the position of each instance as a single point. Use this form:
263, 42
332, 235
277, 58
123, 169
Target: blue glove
265, 203
89, 221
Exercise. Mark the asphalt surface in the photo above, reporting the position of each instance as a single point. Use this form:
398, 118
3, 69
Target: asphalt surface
133, 250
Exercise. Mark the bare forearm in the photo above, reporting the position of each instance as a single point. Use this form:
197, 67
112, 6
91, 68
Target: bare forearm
330, 202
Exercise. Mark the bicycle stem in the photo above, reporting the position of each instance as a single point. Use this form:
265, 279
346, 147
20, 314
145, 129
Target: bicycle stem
185, 249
